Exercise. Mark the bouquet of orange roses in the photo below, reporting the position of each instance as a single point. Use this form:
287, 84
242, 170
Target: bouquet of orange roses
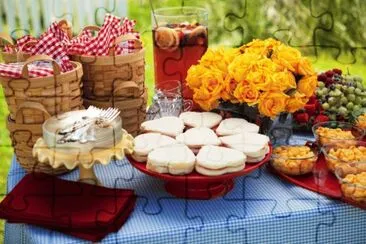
265, 74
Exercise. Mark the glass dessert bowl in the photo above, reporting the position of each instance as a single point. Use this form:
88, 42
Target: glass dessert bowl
353, 182
340, 134
294, 160
344, 156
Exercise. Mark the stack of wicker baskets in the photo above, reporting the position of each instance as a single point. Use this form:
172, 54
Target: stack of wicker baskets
116, 81
32, 100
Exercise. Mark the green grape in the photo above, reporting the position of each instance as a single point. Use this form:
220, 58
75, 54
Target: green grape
350, 89
358, 100
332, 100
333, 109
358, 91
325, 106
319, 92
338, 86
359, 85
332, 117
349, 105
344, 100
357, 78
325, 90
342, 110
348, 79
321, 84
351, 97
356, 108
337, 93
363, 102
344, 88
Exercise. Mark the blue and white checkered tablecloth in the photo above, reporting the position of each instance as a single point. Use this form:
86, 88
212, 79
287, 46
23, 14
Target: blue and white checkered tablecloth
260, 209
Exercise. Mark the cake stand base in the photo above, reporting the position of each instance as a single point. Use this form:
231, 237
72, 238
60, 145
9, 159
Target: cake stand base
201, 190
88, 176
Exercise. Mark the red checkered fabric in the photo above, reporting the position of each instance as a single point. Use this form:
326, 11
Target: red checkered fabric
53, 43
49, 45
58, 33
35, 70
56, 44
86, 44
19, 46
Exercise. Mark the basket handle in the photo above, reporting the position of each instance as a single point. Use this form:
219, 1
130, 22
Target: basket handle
20, 54
66, 29
127, 37
33, 105
6, 37
126, 85
56, 67
90, 27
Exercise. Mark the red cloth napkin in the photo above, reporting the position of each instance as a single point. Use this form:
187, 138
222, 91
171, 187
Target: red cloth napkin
82, 210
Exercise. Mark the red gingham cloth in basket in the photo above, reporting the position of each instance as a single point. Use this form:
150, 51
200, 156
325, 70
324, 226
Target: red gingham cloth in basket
52, 43
35, 70
19, 44
56, 44
49, 45
86, 44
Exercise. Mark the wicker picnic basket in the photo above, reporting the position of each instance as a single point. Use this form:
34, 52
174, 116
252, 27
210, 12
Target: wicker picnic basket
32, 100
24, 136
57, 94
109, 76
133, 111
13, 57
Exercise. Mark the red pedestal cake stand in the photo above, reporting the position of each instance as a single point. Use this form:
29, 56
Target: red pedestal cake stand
197, 186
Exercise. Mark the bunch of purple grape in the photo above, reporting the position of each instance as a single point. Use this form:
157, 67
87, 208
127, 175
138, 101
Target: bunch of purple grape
341, 96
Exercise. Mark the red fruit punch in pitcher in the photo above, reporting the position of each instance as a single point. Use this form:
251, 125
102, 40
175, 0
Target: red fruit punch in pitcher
180, 39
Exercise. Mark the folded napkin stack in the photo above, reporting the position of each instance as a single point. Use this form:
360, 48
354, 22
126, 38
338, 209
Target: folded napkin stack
82, 210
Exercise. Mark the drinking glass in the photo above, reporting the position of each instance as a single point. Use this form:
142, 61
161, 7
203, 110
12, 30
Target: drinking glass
171, 86
171, 104
180, 38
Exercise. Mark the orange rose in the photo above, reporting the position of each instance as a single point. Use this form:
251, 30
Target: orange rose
194, 74
261, 47
205, 99
272, 104
246, 93
296, 102
282, 81
227, 93
305, 67
219, 58
253, 68
287, 57
307, 85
